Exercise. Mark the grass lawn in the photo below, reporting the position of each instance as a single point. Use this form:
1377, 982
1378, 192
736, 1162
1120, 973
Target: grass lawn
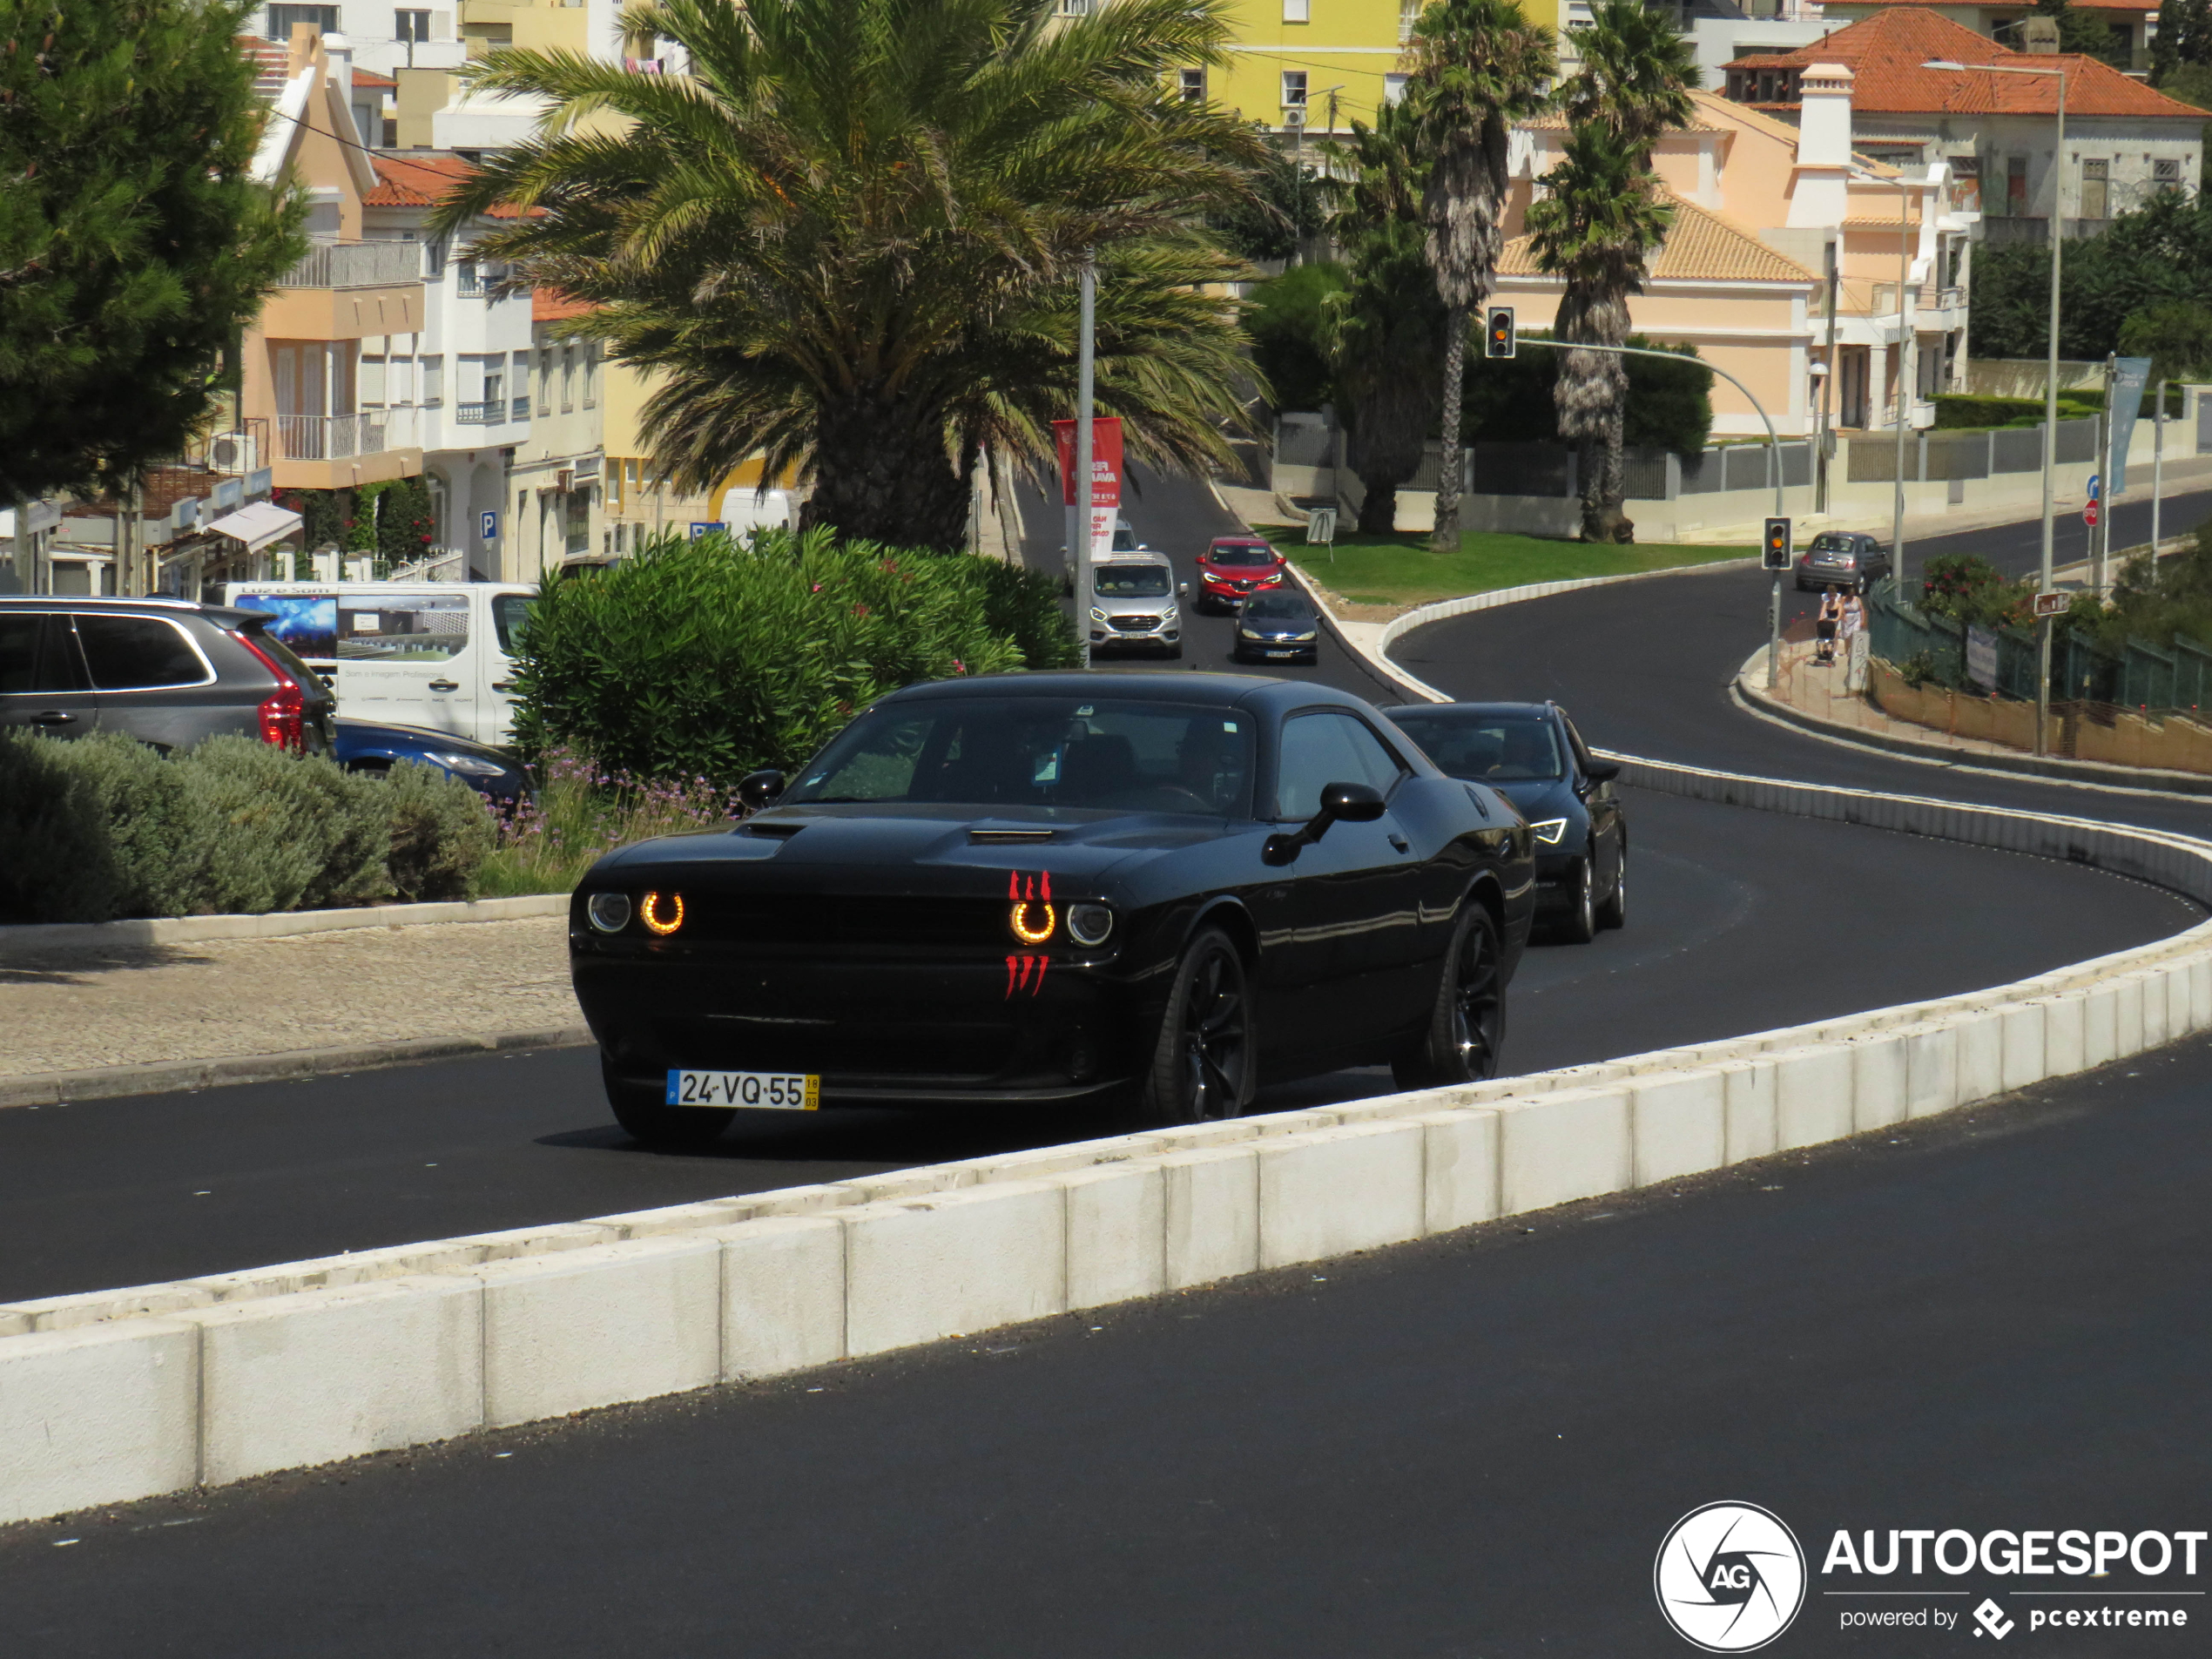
1401, 571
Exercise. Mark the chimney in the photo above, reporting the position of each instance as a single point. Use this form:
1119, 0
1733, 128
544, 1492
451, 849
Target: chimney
1823, 145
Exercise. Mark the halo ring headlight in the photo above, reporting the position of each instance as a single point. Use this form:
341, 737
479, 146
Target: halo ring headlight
608, 912
661, 913
1090, 924
1033, 920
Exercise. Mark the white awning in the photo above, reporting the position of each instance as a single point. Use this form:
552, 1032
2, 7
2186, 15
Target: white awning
257, 524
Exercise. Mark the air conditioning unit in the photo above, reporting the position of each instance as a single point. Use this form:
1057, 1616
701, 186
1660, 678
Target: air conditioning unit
1294, 116
232, 452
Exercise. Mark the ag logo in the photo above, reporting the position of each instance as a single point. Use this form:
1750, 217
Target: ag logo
1729, 1577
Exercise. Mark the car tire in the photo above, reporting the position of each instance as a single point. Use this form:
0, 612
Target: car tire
663, 1127
1578, 926
1614, 913
1203, 1065
1467, 1023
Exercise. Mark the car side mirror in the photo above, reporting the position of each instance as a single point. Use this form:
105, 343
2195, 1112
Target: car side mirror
1353, 803
759, 789
1183, 590
1601, 772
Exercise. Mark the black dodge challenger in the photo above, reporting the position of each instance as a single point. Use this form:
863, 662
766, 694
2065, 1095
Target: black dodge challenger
1044, 888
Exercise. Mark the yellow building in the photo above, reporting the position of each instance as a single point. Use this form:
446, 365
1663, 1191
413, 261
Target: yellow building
1316, 64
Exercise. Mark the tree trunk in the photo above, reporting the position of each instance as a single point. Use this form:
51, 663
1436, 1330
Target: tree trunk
881, 475
1614, 472
1379, 507
1446, 538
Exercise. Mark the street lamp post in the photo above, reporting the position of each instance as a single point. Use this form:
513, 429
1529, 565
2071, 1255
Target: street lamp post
1085, 367
2050, 384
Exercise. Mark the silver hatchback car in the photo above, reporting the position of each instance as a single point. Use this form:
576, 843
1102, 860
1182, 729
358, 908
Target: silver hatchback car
168, 672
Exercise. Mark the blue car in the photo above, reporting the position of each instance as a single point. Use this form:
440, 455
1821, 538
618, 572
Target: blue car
370, 745
1278, 626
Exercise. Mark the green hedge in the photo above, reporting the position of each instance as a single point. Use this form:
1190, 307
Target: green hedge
106, 827
1955, 410
708, 658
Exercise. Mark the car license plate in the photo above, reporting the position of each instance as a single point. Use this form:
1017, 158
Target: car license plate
779, 1092
1282, 653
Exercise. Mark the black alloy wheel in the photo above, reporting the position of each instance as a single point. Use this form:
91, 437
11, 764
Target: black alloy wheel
1202, 1066
649, 1118
1614, 913
1579, 925
1466, 1025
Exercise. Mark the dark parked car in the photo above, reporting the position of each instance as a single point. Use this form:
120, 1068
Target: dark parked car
1531, 753
1842, 559
1043, 889
165, 671
372, 745
1279, 627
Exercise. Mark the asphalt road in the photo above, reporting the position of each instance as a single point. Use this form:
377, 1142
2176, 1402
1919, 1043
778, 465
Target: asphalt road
2017, 549
1767, 918
1470, 1447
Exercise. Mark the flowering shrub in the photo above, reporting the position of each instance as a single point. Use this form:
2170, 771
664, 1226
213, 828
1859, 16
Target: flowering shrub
584, 810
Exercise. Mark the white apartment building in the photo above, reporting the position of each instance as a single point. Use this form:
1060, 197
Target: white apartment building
559, 500
467, 370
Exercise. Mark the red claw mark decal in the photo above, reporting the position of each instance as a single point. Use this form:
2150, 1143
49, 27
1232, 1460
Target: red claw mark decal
1018, 971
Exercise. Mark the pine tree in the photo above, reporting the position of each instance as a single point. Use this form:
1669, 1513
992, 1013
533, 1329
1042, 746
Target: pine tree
134, 242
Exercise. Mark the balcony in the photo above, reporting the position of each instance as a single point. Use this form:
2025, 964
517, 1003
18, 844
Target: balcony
348, 290
338, 451
492, 411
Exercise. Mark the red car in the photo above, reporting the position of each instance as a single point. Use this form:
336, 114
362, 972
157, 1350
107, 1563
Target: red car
1233, 568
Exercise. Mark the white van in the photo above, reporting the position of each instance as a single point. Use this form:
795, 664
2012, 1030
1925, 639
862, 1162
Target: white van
431, 654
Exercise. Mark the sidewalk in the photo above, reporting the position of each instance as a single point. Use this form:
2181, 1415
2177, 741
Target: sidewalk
225, 999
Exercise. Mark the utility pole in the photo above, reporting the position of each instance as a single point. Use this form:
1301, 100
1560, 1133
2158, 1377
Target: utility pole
1085, 367
1827, 380
2157, 463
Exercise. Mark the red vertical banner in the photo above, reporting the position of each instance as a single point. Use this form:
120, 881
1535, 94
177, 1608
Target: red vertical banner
1105, 475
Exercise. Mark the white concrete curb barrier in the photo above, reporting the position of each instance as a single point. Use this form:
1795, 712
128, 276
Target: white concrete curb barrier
121, 1394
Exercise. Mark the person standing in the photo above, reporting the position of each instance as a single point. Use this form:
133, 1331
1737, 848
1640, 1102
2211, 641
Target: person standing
1826, 626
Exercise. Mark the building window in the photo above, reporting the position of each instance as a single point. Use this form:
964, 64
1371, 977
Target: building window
568, 378
411, 28
1294, 89
2166, 175
1296, 12
2096, 190
282, 19
590, 373
434, 381
495, 385
521, 411
545, 380
1394, 89
1194, 87
1409, 12
1076, 8
468, 279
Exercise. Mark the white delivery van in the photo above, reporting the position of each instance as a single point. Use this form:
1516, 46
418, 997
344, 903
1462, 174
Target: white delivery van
432, 654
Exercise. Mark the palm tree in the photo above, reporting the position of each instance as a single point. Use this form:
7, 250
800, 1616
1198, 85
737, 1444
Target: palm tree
1602, 215
846, 239
1385, 326
1478, 66
1592, 226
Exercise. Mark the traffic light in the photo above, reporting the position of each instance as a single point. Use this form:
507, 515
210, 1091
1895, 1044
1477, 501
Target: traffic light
1775, 551
1498, 343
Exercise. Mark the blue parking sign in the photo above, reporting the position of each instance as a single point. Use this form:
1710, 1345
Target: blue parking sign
491, 524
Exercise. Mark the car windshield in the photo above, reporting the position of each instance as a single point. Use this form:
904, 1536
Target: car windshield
1279, 607
1240, 553
1122, 755
1493, 748
1125, 539
1834, 544
1130, 581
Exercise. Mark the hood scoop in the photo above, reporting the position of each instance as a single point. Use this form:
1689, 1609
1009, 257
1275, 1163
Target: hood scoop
774, 832
987, 835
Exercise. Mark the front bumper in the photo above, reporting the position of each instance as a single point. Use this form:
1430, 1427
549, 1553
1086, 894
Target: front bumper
878, 1027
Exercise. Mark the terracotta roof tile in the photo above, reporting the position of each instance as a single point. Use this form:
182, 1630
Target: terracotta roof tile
371, 80
423, 180
1886, 52
2133, 7
1700, 246
549, 305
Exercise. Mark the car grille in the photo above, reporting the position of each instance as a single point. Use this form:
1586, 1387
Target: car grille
787, 923
1135, 625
